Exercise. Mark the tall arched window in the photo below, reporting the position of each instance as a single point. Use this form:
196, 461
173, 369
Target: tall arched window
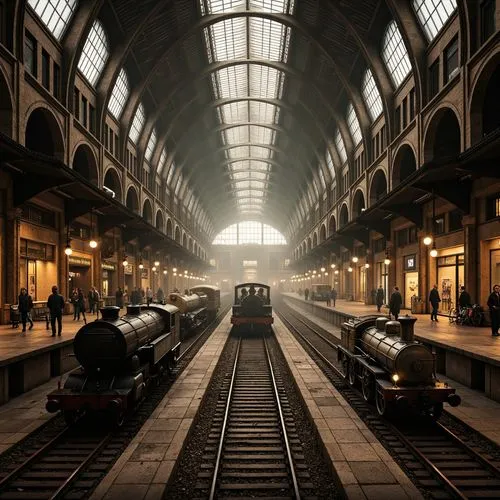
339, 142
150, 148
170, 175
371, 95
95, 53
353, 123
162, 161
55, 14
433, 14
137, 123
120, 94
249, 232
329, 164
395, 55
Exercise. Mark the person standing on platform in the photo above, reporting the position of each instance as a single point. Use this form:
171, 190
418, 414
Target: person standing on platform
119, 297
160, 296
379, 297
25, 305
464, 300
149, 295
74, 300
494, 305
329, 299
55, 303
333, 296
81, 305
90, 299
434, 299
306, 293
395, 303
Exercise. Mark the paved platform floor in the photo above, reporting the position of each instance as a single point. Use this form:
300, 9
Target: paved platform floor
476, 341
476, 410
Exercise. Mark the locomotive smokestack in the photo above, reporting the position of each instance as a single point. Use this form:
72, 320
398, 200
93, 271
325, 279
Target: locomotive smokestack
407, 328
110, 312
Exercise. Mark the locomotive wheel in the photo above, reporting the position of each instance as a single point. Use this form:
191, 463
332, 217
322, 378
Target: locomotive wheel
381, 403
367, 386
352, 373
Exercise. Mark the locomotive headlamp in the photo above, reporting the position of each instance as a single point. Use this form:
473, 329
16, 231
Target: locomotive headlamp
395, 378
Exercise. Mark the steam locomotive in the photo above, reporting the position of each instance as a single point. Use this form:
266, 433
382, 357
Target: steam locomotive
252, 310
197, 308
119, 357
393, 368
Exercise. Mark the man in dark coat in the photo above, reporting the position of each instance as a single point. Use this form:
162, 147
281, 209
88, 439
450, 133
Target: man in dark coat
25, 305
434, 299
464, 300
379, 298
333, 296
395, 303
494, 305
55, 303
119, 298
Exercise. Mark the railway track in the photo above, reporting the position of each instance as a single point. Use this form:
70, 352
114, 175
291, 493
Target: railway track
438, 459
58, 462
253, 449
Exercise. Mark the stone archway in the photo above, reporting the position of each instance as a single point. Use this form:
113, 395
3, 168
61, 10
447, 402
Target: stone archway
184, 240
404, 165
43, 134
147, 212
112, 182
159, 221
177, 234
315, 240
322, 233
85, 164
132, 201
344, 215
170, 229
332, 225
378, 187
6, 115
358, 204
442, 139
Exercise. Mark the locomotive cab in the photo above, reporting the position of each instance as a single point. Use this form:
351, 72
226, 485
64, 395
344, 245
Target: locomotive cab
252, 306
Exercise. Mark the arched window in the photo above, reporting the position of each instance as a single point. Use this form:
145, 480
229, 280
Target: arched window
433, 14
353, 123
339, 142
395, 55
55, 14
95, 53
249, 232
329, 164
178, 185
162, 161
321, 178
170, 175
150, 148
137, 123
371, 95
120, 94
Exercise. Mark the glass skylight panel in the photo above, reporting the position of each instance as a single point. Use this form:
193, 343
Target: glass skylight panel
321, 177
162, 161
119, 95
263, 112
237, 135
264, 82
95, 53
261, 135
220, 6
137, 123
178, 186
227, 40
150, 148
260, 152
339, 142
170, 175
353, 123
268, 39
371, 95
242, 185
395, 55
235, 112
329, 164
232, 82
433, 14
55, 14
274, 6
271, 236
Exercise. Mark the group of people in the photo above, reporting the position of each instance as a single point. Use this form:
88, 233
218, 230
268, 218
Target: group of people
251, 292
330, 298
138, 296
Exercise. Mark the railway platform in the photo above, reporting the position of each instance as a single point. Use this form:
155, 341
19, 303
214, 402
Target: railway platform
365, 470
465, 354
30, 359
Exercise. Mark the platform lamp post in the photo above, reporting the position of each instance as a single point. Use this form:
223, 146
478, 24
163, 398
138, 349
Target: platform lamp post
174, 272
387, 262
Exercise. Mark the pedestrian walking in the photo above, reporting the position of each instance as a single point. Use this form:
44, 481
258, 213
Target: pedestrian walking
96, 299
74, 301
333, 296
81, 305
25, 305
494, 305
329, 299
119, 297
379, 297
306, 293
55, 303
434, 299
395, 303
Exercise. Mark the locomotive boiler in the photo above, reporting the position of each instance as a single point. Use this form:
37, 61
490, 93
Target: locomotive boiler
213, 298
393, 368
192, 309
119, 357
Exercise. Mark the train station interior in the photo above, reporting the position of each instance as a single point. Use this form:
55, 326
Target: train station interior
156, 146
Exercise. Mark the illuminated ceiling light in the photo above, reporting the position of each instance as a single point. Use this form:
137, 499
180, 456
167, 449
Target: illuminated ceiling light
427, 240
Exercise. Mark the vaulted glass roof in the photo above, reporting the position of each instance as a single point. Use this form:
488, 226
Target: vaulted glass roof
248, 42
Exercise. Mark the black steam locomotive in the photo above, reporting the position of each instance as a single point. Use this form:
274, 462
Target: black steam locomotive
393, 368
252, 310
119, 357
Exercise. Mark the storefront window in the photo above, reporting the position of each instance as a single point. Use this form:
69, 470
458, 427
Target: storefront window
37, 269
383, 280
495, 268
450, 273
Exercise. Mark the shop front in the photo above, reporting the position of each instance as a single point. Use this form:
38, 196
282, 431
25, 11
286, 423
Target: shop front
129, 279
410, 279
450, 276
382, 279
109, 282
79, 275
360, 285
144, 279
37, 268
